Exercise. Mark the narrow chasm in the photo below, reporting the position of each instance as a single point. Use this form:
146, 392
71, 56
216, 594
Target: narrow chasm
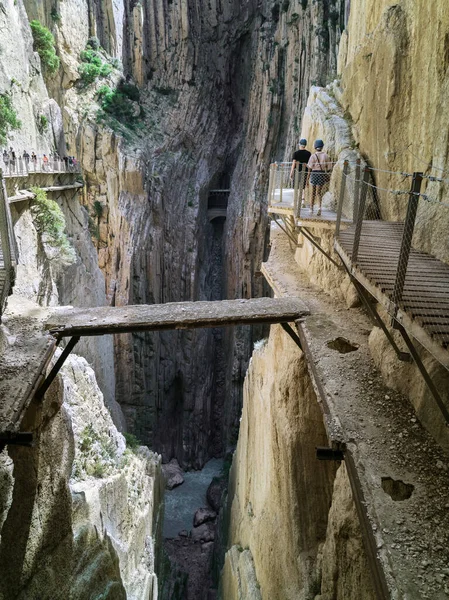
194, 498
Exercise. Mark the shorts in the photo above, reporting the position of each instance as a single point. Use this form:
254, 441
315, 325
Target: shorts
319, 178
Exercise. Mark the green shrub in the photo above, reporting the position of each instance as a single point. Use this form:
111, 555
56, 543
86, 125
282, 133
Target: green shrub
105, 70
56, 17
42, 123
88, 72
99, 470
130, 90
98, 209
93, 42
50, 222
115, 63
44, 44
131, 441
92, 66
8, 117
91, 56
116, 103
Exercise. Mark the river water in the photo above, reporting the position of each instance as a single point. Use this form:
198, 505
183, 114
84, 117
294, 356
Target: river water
182, 502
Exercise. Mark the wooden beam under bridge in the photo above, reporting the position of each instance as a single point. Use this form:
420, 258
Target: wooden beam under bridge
68, 322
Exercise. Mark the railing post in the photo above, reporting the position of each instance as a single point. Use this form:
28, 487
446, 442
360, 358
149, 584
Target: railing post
360, 214
356, 189
281, 172
270, 185
407, 236
341, 197
296, 200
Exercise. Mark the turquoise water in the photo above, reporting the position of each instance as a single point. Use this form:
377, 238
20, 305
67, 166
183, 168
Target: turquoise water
182, 502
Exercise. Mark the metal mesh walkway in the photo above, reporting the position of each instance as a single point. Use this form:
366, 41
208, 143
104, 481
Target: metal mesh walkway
425, 299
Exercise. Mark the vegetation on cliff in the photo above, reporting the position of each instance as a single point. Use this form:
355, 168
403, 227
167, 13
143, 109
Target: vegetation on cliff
8, 117
44, 44
50, 223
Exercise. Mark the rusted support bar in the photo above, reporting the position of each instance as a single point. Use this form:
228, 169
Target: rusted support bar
285, 230
341, 197
356, 190
369, 542
406, 242
377, 320
422, 369
323, 453
360, 215
286, 327
309, 236
57, 366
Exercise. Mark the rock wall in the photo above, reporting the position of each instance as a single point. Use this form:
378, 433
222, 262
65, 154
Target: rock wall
80, 512
377, 110
394, 80
222, 89
288, 511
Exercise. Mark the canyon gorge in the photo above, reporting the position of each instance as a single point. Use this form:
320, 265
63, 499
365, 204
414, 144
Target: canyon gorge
174, 111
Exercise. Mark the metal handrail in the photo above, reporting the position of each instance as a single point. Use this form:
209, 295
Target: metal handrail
22, 168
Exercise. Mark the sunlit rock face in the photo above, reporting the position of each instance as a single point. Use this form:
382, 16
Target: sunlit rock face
223, 86
80, 513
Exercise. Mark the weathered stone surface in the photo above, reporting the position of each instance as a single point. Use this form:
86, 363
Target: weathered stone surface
281, 519
173, 474
239, 580
107, 519
202, 515
215, 491
395, 85
342, 558
228, 117
203, 533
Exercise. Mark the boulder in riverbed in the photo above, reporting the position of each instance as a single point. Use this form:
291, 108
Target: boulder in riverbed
173, 474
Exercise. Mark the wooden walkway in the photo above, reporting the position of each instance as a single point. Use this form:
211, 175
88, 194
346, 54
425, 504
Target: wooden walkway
174, 315
424, 309
25, 362
305, 217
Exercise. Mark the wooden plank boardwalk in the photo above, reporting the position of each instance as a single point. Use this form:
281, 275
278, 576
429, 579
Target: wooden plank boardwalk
25, 362
305, 217
424, 309
174, 315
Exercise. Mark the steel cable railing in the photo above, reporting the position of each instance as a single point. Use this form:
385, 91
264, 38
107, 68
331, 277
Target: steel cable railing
21, 167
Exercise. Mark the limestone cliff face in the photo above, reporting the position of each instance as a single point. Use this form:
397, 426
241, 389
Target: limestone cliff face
394, 78
286, 512
80, 513
223, 86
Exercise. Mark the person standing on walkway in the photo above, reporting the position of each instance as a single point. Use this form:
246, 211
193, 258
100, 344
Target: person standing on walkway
299, 161
320, 167
6, 158
26, 157
12, 158
45, 162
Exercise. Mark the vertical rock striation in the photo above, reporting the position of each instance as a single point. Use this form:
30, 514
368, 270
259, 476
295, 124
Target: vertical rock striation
222, 86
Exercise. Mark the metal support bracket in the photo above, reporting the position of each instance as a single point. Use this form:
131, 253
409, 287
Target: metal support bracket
13, 438
306, 233
377, 320
57, 366
417, 359
286, 327
285, 230
324, 453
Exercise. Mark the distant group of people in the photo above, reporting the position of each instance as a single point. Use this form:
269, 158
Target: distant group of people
10, 160
318, 167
